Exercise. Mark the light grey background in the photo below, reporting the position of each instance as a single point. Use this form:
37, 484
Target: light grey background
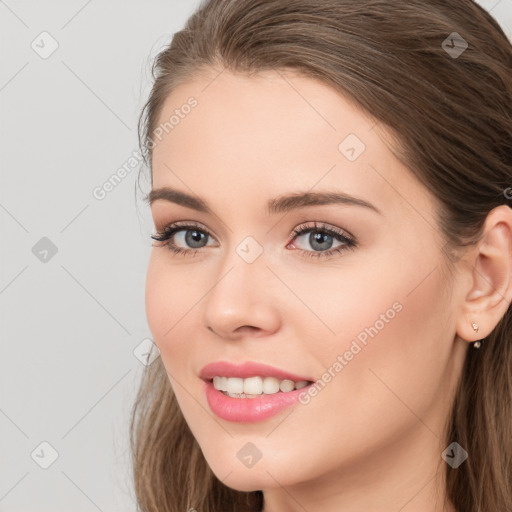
71, 321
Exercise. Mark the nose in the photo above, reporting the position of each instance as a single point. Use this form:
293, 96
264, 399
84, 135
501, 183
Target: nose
242, 301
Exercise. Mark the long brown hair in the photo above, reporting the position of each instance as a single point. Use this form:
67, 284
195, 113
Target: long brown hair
452, 118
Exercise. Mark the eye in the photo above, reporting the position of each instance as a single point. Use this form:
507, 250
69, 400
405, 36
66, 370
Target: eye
183, 237
322, 239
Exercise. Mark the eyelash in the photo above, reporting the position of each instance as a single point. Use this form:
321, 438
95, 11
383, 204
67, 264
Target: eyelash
168, 231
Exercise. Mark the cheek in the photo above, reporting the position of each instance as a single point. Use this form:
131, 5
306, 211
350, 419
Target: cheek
389, 344
394, 358
169, 297
174, 298
156, 300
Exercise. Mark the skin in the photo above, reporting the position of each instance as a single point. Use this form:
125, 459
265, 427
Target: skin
372, 437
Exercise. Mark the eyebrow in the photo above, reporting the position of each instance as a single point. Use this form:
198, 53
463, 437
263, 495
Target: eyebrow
276, 205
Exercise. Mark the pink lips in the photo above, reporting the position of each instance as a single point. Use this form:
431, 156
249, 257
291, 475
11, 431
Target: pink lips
245, 410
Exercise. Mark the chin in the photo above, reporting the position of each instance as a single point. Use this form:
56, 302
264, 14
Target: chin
243, 479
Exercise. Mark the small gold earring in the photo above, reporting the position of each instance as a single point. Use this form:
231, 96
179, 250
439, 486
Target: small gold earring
476, 344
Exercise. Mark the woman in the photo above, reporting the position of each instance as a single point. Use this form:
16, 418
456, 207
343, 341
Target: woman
331, 276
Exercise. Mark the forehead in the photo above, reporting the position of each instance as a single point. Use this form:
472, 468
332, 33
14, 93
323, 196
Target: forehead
237, 113
274, 132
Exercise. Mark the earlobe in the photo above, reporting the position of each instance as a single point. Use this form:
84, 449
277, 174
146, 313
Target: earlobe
490, 292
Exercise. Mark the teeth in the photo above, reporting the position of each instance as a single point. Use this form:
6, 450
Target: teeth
254, 386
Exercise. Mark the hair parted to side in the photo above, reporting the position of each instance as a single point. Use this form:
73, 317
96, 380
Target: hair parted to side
452, 119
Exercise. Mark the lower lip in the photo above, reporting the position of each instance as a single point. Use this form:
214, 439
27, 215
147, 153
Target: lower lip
247, 410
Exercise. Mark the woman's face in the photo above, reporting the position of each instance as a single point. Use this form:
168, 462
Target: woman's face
373, 320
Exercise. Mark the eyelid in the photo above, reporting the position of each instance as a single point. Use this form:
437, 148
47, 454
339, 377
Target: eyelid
319, 225
305, 227
182, 225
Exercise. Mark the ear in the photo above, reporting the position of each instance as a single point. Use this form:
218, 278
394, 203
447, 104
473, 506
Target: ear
490, 285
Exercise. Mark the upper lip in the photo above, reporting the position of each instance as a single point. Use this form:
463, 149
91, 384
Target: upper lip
247, 369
